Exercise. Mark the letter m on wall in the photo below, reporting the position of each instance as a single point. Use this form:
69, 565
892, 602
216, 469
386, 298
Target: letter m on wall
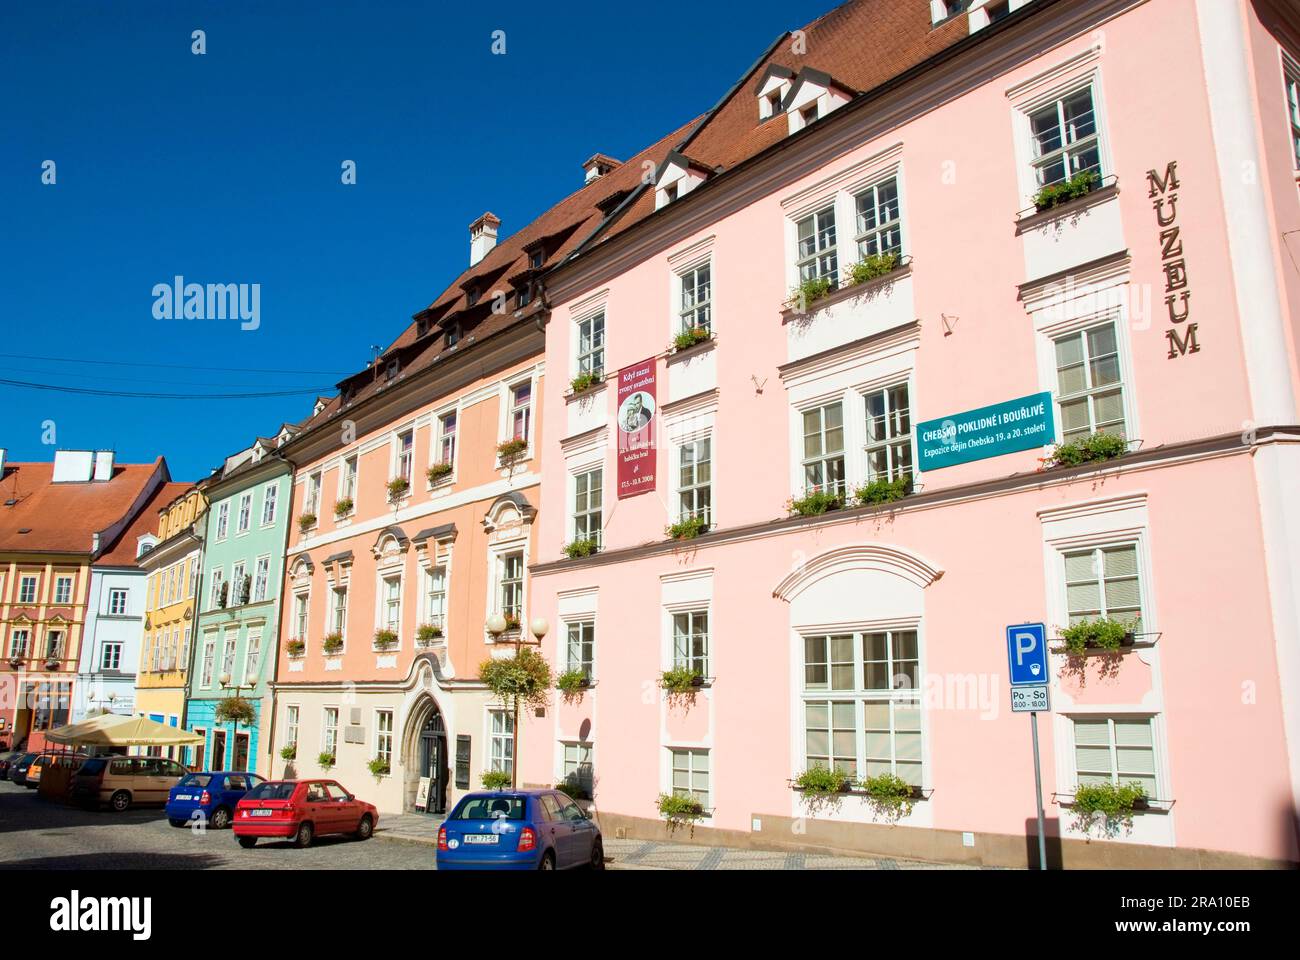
1159, 184
1184, 344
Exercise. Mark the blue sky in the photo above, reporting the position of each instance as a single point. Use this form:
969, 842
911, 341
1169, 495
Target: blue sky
225, 168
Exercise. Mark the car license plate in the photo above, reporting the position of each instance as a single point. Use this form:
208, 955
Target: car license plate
260, 813
481, 838
184, 796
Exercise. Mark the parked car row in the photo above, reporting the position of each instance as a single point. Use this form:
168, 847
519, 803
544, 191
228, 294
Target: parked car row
487, 830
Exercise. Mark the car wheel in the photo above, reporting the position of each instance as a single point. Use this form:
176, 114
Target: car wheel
304, 835
548, 861
220, 819
365, 828
598, 856
120, 801
247, 842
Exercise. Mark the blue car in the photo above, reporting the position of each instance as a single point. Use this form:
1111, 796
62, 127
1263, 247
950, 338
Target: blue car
519, 830
215, 794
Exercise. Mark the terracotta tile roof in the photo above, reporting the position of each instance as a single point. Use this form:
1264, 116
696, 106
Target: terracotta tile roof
64, 517
122, 552
860, 45
562, 228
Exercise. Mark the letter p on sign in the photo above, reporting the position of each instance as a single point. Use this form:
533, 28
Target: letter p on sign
1027, 653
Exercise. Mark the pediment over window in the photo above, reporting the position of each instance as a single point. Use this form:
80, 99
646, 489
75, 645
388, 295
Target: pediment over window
771, 90
859, 557
391, 542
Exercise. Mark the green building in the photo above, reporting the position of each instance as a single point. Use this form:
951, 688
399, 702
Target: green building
237, 630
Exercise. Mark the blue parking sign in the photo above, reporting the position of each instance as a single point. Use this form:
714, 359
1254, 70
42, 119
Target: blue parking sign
1027, 653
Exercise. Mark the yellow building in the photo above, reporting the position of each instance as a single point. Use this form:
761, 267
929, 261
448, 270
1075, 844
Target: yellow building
172, 567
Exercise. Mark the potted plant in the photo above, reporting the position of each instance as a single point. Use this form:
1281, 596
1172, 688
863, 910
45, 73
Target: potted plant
581, 548
572, 785
688, 528
1095, 447
691, 337
1056, 194
681, 682
884, 490
512, 621
572, 683
509, 452
325, 759
1104, 633
235, 710
586, 380
289, 751
51, 663
495, 780
295, 648
398, 487
890, 795
342, 507
439, 472
385, 638
223, 595
15, 662
427, 633
1110, 803
523, 680
678, 809
821, 786
379, 767
306, 521
332, 643
245, 589
809, 292
816, 502
872, 266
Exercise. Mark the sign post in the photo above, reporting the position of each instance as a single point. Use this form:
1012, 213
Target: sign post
1027, 659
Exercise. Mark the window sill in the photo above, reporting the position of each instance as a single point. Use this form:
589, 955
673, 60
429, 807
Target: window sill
919, 794
1158, 807
1031, 217
847, 291
572, 396
681, 354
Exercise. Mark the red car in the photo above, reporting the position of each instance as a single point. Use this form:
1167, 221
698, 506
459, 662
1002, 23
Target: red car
301, 810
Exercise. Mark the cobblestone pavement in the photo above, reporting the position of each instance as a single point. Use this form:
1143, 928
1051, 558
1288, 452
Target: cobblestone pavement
417, 828
38, 835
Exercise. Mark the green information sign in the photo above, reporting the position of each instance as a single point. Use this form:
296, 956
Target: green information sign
987, 432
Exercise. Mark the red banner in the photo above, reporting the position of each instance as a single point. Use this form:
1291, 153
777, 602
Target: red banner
636, 427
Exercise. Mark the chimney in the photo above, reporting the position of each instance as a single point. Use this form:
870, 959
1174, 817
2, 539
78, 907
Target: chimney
482, 237
103, 465
2, 462
73, 466
597, 166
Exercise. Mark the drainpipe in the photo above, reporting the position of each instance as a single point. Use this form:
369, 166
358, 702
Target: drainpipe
279, 611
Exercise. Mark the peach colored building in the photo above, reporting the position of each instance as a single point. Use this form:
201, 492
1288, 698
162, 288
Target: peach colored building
412, 528
958, 321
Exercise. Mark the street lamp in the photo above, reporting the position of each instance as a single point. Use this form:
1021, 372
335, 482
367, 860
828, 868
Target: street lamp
250, 681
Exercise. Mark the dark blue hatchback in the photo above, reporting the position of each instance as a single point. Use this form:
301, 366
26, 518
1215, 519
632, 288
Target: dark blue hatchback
210, 796
519, 830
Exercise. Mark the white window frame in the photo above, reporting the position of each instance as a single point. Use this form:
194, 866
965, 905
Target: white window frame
329, 732
1155, 723
118, 602
444, 441
110, 656
384, 608
59, 595
580, 634
402, 462
244, 519
338, 615
581, 748
1024, 105
825, 457
587, 515
892, 440
261, 578
690, 659
252, 655
218, 580
207, 672
497, 739
831, 249
680, 490
223, 520
689, 755
584, 361
292, 715
383, 745
864, 235
1291, 97
689, 310
270, 502
435, 597
25, 596
349, 471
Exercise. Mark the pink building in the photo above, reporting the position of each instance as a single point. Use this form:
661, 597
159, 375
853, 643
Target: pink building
957, 322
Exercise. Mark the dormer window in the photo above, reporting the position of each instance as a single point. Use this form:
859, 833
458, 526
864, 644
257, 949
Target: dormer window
813, 94
421, 327
452, 336
471, 296
523, 295
391, 371
678, 176
773, 85
536, 259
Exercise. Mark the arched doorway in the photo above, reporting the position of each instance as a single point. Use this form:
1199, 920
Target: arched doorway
432, 760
